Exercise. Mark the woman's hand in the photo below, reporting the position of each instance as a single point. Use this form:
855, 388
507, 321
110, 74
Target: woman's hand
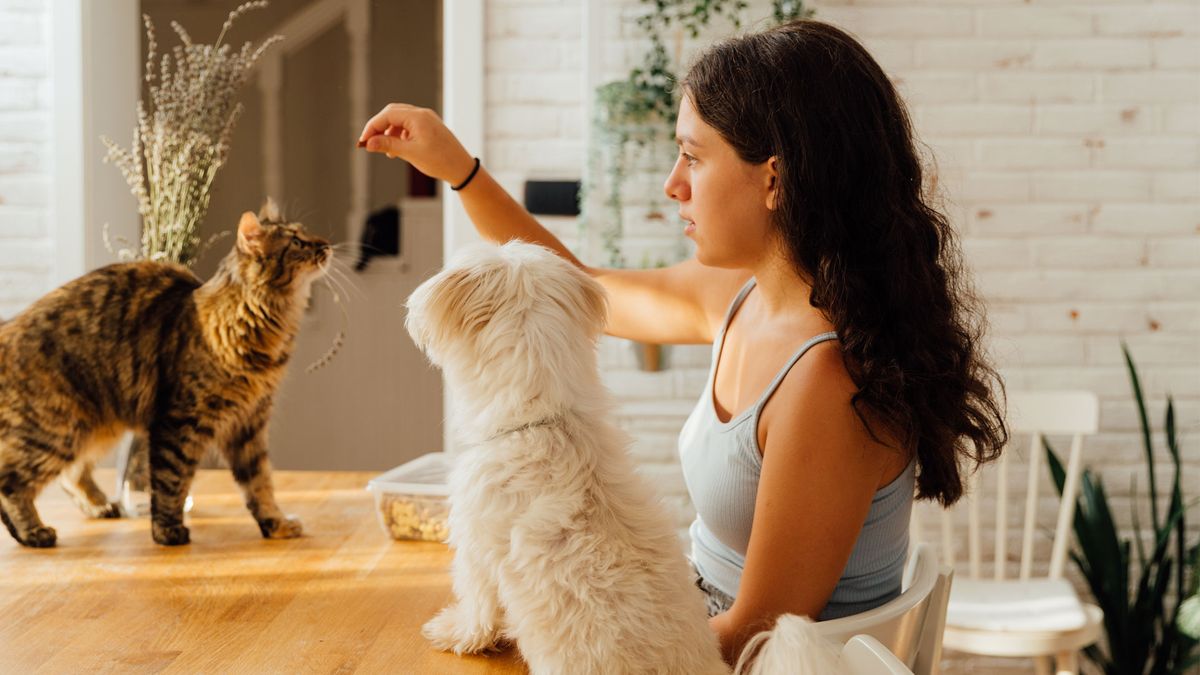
418, 136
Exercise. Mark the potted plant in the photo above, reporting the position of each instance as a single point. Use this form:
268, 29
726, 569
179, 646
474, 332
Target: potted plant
179, 143
1148, 594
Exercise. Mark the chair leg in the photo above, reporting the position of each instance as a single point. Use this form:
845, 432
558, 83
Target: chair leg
1043, 665
1067, 663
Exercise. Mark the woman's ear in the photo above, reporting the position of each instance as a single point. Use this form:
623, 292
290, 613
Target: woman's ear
771, 176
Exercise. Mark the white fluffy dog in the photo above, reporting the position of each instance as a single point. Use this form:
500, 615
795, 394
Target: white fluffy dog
559, 545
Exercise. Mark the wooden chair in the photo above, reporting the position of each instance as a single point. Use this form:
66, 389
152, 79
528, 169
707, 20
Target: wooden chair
910, 625
1039, 617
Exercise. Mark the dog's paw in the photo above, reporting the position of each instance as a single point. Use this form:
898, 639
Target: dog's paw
449, 632
288, 527
170, 535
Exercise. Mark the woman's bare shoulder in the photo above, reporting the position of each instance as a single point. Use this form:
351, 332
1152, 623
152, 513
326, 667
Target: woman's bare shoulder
814, 404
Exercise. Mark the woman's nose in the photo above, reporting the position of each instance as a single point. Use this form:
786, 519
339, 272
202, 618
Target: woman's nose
676, 187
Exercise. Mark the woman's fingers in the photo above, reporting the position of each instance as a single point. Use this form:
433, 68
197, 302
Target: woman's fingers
399, 132
388, 145
418, 136
389, 142
392, 115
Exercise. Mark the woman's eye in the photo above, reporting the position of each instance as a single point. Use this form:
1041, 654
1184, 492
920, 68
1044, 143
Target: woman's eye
688, 158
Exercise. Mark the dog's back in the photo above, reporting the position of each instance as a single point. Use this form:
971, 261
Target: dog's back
594, 579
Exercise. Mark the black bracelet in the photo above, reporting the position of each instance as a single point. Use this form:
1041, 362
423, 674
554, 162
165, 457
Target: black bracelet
463, 184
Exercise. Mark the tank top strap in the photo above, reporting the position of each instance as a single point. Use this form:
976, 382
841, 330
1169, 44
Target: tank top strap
808, 344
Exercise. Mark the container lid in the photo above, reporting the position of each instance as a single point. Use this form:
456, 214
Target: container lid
425, 475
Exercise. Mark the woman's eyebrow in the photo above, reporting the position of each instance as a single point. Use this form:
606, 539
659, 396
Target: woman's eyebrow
680, 140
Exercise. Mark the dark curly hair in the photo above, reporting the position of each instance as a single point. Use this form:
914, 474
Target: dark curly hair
884, 265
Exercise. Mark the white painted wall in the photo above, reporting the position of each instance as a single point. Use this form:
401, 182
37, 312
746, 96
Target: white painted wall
27, 253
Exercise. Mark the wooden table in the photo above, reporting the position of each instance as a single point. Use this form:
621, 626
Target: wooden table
344, 598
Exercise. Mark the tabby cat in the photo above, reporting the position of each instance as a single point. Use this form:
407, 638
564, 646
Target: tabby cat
147, 346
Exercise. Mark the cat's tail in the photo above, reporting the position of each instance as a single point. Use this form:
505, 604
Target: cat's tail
793, 647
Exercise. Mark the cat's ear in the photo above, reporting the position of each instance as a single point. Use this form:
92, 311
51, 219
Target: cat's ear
269, 213
250, 234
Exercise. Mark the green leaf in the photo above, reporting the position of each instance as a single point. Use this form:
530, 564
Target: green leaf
1148, 447
1137, 521
1177, 505
1056, 467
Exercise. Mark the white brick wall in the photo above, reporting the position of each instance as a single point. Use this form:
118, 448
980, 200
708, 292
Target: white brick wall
1066, 137
26, 247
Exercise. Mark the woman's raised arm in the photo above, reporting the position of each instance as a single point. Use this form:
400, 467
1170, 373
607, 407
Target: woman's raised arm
678, 304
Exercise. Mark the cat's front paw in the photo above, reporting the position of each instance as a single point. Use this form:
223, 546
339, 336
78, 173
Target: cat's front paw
170, 535
39, 537
109, 510
288, 527
450, 632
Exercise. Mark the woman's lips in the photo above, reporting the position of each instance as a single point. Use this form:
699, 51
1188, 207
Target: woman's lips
689, 225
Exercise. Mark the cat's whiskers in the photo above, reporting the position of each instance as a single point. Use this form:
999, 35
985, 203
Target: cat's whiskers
330, 279
339, 339
346, 250
335, 287
340, 270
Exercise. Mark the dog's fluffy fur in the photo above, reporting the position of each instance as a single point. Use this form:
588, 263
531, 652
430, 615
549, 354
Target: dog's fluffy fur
560, 546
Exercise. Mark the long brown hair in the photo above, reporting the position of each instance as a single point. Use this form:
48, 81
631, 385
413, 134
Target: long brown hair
884, 265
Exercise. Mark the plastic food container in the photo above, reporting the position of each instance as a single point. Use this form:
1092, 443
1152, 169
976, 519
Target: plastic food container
413, 500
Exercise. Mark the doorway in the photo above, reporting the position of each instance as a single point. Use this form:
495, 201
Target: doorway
376, 403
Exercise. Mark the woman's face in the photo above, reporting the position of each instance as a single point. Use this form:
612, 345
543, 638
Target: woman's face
726, 201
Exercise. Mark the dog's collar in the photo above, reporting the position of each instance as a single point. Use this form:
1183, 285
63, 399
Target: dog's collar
544, 422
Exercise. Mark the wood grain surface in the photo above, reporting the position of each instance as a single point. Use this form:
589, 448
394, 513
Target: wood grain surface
344, 598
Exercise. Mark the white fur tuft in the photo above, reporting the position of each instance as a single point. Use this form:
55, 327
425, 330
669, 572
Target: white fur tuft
794, 647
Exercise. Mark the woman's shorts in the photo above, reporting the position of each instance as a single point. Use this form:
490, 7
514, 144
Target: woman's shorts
715, 599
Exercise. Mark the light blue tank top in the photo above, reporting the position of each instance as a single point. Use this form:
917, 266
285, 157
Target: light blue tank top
721, 466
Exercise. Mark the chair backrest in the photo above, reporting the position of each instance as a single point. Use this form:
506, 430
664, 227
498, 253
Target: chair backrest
1032, 415
911, 624
864, 655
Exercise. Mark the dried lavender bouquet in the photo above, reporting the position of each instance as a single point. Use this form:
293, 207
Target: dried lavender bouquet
181, 141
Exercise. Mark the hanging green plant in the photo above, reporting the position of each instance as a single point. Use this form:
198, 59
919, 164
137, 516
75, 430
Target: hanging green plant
638, 112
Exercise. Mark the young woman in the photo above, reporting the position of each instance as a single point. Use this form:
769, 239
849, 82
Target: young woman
847, 368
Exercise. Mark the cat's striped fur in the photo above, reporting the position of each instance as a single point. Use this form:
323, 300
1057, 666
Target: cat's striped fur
146, 346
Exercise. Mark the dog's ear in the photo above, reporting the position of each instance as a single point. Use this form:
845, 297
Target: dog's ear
443, 308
